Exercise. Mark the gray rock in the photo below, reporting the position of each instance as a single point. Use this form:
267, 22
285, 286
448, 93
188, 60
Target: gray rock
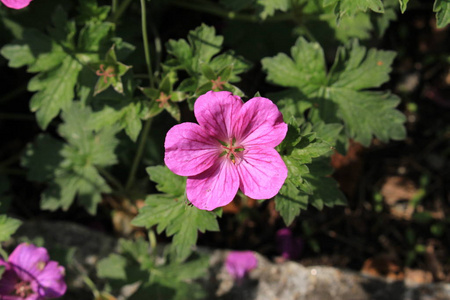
269, 281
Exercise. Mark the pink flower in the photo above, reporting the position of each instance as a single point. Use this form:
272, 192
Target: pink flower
231, 148
31, 275
288, 246
16, 4
239, 263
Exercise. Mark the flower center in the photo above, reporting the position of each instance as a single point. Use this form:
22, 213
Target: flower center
232, 151
23, 289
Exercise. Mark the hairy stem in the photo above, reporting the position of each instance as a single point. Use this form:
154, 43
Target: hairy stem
139, 153
145, 40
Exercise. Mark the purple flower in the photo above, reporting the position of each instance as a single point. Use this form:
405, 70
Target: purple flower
16, 4
288, 246
231, 148
31, 275
238, 263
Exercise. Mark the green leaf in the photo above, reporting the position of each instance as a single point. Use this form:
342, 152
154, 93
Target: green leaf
289, 202
205, 44
306, 69
370, 113
403, 4
268, 7
7, 227
350, 7
112, 267
356, 68
71, 170
341, 95
42, 158
325, 189
442, 10
167, 181
55, 90
177, 219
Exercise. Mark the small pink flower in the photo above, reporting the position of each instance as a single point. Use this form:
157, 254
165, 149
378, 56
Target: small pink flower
288, 246
239, 263
231, 148
31, 275
16, 4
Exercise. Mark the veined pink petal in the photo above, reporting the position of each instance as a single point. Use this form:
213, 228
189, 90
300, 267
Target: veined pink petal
16, 4
28, 261
259, 123
7, 282
216, 112
215, 187
262, 172
190, 150
50, 282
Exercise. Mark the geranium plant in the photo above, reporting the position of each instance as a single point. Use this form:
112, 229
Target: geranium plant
213, 112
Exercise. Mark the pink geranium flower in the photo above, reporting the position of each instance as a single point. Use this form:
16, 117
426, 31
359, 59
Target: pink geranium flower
231, 148
31, 275
239, 263
289, 246
16, 4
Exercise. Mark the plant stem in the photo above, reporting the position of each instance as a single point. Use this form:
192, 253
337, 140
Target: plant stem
14, 93
17, 117
114, 6
113, 180
218, 11
119, 11
145, 40
139, 153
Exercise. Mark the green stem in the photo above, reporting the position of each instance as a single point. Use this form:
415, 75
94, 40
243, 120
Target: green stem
18, 117
139, 153
3, 254
120, 10
114, 6
145, 40
14, 93
113, 180
218, 11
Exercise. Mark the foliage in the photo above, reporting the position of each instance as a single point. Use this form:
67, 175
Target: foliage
104, 92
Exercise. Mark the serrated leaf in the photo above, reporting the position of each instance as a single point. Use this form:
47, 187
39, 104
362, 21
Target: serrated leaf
112, 267
205, 44
7, 227
306, 69
55, 90
403, 4
289, 202
356, 68
325, 189
370, 113
350, 7
71, 171
167, 181
268, 7
442, 10
42, 158
177, 219
341, 95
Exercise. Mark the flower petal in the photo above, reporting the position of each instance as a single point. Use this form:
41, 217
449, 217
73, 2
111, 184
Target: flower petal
28, 261
215, 187
190, 150
7, 282
216, 112
260, 123
50, 282
262, 173
16, 4
239, 263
